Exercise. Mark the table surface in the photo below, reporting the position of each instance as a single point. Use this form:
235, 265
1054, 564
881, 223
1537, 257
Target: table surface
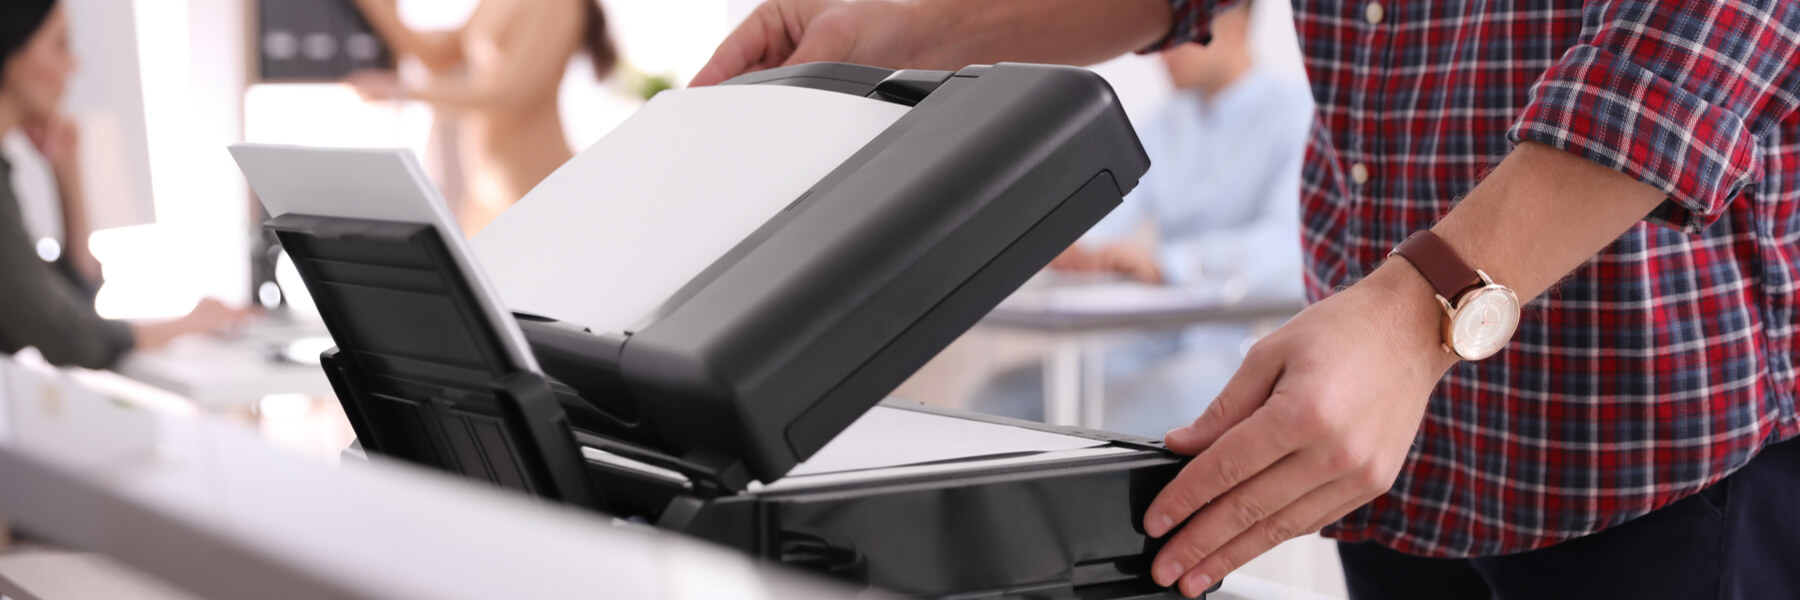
207, 506
1073, 322
231, 371
50, 574
1076, 308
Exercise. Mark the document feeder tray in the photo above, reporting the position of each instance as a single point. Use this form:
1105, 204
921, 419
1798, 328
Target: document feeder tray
693, 421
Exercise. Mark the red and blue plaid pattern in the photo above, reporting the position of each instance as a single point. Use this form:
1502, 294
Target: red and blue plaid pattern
1660, 366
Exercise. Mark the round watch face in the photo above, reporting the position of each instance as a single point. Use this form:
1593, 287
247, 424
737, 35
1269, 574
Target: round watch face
1484, 323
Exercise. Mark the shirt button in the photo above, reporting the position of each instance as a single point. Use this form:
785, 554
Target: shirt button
1359, 173
1374, 13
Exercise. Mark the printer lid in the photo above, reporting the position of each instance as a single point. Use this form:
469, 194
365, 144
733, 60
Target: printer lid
619, 229
754, 266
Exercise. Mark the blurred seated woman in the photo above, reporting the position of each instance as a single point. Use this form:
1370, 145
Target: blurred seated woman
500, 75
42, 305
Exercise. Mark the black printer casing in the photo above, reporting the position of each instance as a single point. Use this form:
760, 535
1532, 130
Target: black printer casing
815, 317
780, 345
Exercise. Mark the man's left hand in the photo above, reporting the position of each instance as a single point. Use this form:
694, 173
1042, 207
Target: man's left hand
1316, 423
1134, 260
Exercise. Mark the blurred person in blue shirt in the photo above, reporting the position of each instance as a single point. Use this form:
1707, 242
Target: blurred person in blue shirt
1218, 213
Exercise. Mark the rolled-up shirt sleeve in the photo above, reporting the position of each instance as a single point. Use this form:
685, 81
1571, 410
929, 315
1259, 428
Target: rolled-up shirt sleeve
1674, 94
1192, 23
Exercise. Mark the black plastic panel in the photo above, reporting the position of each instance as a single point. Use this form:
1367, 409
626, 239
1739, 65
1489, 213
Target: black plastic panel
420, 370
795, 322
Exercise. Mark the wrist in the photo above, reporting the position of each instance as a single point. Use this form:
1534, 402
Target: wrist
1075, 32
961, 33
1410, 312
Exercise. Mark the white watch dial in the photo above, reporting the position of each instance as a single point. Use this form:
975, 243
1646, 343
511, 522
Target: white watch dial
1484, 323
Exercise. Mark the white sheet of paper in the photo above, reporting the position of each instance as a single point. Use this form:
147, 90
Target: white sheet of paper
611, 235
892, 437
938, 469
376, 184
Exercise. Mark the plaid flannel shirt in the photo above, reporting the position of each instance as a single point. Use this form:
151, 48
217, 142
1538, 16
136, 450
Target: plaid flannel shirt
1658, 367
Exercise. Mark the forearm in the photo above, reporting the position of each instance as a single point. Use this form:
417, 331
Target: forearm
1538, 216
384, 17
1076, 32
1543, 213
459, 93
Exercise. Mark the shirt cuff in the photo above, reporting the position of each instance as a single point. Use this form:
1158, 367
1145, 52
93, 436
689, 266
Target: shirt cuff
1599, 106
1191, 22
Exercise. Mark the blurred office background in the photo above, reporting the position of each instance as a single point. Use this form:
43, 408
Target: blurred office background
165, 85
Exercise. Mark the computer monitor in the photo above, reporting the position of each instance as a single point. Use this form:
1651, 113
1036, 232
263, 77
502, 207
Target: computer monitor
106, 99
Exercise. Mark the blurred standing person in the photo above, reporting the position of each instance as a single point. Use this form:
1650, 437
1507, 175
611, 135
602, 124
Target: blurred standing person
39, 306
1219, 200
499, 75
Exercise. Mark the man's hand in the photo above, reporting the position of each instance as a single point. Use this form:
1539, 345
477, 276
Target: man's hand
1319, 419
788, 32
1076, 259
1316, 422
935, 34
1131, 259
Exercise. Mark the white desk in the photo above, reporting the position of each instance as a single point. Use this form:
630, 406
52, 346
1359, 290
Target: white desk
1076, 317
235, 371
207, 507
48, 574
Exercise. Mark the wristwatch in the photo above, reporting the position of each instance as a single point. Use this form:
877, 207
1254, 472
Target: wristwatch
1479, 315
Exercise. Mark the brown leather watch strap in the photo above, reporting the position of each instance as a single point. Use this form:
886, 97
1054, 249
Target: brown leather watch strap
1438, 262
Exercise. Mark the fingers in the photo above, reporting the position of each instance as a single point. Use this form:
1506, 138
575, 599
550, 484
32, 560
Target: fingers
1245, 507
1075, 258
1131, 260
1241, 454
1247, 390
1311, 510
760, 42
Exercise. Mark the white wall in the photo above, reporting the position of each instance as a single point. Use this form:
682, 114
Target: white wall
191, 55
106, 100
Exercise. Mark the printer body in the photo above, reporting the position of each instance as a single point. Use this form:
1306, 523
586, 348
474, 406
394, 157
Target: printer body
696, 419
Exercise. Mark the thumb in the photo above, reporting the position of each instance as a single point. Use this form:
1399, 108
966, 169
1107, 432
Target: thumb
1247, 391
817, 49
831, 37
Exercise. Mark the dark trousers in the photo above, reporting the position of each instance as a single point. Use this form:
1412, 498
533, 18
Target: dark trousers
1739, 538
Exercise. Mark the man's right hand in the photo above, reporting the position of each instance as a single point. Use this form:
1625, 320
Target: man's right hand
787, 32
935, 34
